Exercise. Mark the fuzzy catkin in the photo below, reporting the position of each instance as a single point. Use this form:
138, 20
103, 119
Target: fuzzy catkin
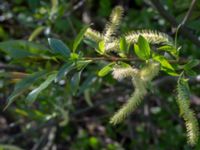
93, 35
112, 25
188, 115
140, 80
132, 103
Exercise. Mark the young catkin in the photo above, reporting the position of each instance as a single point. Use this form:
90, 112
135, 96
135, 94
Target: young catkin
112, 25
188, 115
93, 35
132, 103
140, 80
153, 37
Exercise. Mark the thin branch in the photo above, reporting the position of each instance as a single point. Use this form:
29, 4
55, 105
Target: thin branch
184, 31
189, 12
111, 58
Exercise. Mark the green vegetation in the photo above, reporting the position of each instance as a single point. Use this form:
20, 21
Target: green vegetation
66, 85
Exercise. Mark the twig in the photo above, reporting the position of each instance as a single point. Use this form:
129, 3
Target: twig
112, 58
184, 31
189, 12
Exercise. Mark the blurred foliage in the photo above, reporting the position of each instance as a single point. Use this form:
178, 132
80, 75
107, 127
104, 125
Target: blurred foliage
73, 113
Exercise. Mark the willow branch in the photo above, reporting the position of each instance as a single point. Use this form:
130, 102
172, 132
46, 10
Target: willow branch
111, 58
184, 31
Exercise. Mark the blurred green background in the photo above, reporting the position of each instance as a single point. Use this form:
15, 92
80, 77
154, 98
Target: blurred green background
62, 120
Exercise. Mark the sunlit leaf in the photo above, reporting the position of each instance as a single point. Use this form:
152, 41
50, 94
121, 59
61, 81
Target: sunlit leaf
105, 70
142, 48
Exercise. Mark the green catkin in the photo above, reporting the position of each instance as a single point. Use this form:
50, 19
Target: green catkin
132, 103
188, 115
153, 37
140, 80
112, 25
93, 35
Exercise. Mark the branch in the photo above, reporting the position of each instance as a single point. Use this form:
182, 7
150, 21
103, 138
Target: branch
112, 58
184, 31
189, 12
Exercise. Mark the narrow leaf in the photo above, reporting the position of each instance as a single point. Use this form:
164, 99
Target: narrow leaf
34, 94
23, 85
144, 49
105, 70
57, 46
64, 70
191, 64
79, 38
75, 80
102, 46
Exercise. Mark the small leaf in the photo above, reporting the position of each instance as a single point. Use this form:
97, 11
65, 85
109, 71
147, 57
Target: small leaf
123, 45
105, 70
64, 70
170, 49
34, 94
90, 43
165, 65
75, 80
57, 46
79, 38
191, 64
142, 48
81, 64
23, 85
102, 47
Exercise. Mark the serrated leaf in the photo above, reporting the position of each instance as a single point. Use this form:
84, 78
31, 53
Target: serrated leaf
34, 94
57, 46
142, 48
105, 70
23, 85
79, 38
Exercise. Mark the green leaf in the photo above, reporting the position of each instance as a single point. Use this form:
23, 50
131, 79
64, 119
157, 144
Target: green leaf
105, 70
102, 47
23, 85
81, 64
64, 70
171, 49
142, 48
123, 44
165, 65
19, 49
34, 94
191, 64
75, 80
57, 46
90, 43
9, 147
79, 38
